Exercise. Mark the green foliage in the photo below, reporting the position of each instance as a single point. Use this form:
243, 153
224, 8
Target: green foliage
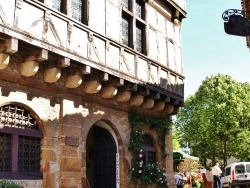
215, 121
137, 121
148, 174
176, 145
136, 139
8, 184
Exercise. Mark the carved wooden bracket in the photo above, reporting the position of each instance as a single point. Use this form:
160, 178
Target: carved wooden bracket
31, 64
123, 96
92, 87
10, 46
148, 103
73, 80
64, 62
100, 77
85, 69
39, 56
52, 74
136, 100
108, 92
4, 60
159, 106
169, 108
117, 82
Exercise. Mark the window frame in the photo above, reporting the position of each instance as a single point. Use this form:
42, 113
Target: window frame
134, 23
19, 124
147, 149
129, 19
66, 9
15, 132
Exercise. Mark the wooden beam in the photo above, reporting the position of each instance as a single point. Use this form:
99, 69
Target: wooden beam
64, 62
39, 56
10, 46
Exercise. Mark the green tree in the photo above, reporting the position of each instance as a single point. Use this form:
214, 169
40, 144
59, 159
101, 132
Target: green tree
176, 144
215, 121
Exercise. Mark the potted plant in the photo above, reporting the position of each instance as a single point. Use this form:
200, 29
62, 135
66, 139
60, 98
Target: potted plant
197, 180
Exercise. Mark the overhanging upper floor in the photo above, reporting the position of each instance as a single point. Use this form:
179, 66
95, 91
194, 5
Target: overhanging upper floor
92, 59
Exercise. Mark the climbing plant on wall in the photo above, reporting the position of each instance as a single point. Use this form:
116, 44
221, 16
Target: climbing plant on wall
137, 122
147, 174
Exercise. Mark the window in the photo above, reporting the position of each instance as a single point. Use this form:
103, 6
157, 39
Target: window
56, 5
133, 24
139, 37
239, 169
77, 8
126, 30
140, 9
248, 168
228, 171
20, 144
127, 4
149, 152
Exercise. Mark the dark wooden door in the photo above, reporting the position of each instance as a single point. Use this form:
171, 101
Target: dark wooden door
104, 159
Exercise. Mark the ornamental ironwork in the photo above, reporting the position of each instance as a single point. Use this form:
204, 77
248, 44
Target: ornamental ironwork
235, 23
230, 12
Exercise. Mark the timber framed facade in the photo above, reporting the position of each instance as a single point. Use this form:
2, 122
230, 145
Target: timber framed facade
70, 71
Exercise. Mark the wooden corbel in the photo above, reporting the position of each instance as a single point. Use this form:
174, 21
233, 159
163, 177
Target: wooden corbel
30, 65
63, 62
110, 88
52, 73
75, 76
9, 47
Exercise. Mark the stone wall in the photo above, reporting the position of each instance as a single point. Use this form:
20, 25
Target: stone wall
65, 120
63, 162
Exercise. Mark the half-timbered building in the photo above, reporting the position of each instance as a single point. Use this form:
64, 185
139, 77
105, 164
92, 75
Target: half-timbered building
70, 72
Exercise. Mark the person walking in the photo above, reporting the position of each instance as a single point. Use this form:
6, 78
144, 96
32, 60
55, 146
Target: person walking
179, 180
216, 171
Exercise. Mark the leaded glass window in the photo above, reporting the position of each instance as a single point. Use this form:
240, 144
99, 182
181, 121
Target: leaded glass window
133, 24
127, 4
76, 10
139, 38
139, 9
56, 4
125, 30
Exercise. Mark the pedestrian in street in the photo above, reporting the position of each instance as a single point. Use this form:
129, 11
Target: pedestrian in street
216, 171
179, 180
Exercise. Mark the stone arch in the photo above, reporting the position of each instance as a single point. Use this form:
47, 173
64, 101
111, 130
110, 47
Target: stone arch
40, 125
107, 124
154, 137
112, 129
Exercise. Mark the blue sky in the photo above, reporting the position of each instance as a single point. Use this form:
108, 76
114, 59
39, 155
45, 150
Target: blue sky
207, 49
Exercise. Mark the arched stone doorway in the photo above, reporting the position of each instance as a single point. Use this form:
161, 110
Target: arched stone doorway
101, 158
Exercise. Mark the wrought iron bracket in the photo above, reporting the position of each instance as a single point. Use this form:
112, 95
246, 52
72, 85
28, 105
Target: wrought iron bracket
235, 23
230, 12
